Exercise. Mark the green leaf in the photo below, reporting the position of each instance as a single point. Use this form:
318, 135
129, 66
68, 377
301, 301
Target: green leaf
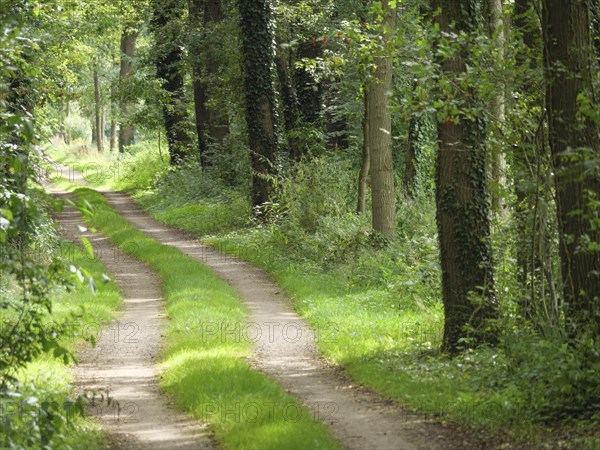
88, 247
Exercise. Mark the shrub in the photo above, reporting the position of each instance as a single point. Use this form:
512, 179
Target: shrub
140, 170
78, 128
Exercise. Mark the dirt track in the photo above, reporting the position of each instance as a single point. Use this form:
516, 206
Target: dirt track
122, 366
285, 350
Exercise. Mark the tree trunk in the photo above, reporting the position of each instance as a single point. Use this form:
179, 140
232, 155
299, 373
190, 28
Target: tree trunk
113, 118
211, 123
289, 100
66, 136
126, 130
196, 8
363, 176
102, 125
574, 142
498, 155
94, 125
379, 136
218, 122
410, 163
257, 59
98, 113
462, 199
309, 92
169, 68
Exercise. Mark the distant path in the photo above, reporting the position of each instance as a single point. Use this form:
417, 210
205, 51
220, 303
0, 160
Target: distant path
285, 350
122, 366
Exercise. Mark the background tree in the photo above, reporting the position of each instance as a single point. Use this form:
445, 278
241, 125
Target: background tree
257, 58
128, 41
575, 145
169, 42
379, 128
462, 199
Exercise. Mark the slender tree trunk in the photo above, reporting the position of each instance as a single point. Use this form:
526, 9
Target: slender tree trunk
102, 126
94, 124
126, 130
196, 9
379, 136
257, 59
169, 68
66, 136
498, 155
410, 163
462, 198
574, 141
363, 176
98, 113
289, 99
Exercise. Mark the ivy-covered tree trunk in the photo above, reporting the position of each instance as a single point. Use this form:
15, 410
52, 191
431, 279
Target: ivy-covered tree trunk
257, 59
211, 124
575, 146
300, 93
379, 134
126, 130
218, 122
113, 118
309, 91
169, 43
462, 198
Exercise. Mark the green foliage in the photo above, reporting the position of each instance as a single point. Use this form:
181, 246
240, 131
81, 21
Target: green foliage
311, 190
139, 168
78, 128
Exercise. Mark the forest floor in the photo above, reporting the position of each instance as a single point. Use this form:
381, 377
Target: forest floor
284, 349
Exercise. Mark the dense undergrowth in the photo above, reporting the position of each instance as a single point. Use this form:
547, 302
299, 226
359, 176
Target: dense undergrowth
383, 302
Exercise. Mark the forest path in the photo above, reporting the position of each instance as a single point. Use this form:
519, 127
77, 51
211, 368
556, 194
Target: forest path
286, 351
122, 365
